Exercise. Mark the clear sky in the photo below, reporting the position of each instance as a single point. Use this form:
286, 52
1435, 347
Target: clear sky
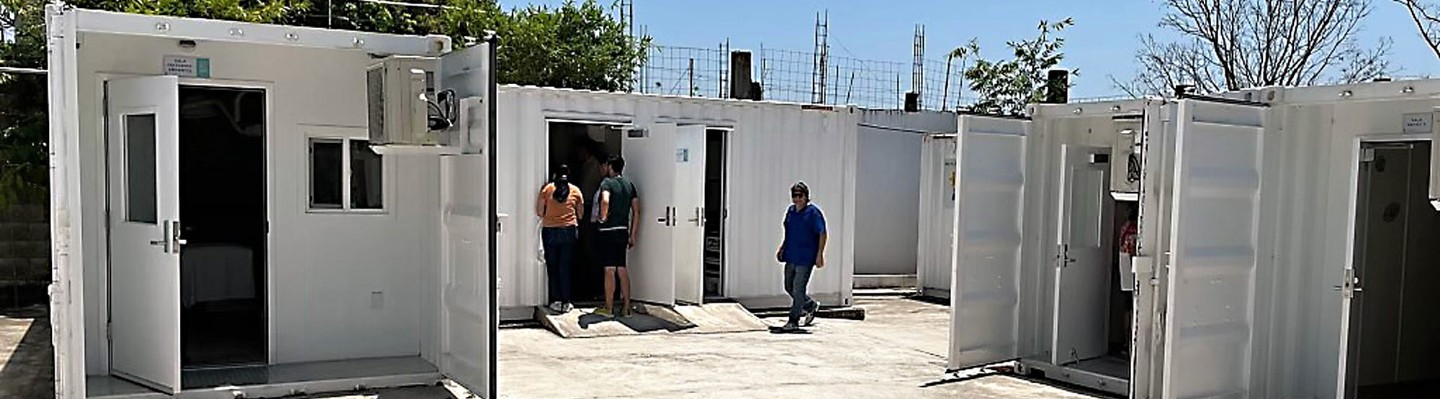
1102, 42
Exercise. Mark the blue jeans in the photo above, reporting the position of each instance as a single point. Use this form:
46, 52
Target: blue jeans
797, 280
559, 251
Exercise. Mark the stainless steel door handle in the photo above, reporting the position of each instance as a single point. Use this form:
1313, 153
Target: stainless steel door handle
697, 220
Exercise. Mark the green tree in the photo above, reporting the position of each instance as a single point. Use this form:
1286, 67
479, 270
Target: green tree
1006, 87
24, 173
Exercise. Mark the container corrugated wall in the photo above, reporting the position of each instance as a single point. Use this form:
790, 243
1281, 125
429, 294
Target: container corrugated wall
936, 247
771, 147
1310, 189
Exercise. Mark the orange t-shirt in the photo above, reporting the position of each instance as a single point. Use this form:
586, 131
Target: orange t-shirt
557, 214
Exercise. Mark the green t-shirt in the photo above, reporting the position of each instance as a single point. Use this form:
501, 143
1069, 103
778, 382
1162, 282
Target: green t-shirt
622, 193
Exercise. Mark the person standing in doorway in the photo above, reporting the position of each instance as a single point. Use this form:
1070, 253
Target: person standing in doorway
618, 215
559, 206
802, 251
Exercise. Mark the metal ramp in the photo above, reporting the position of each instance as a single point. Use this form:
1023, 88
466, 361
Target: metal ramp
701, 319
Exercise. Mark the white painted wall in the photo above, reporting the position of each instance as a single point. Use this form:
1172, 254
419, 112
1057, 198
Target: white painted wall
323, 266
887, 196
764, 162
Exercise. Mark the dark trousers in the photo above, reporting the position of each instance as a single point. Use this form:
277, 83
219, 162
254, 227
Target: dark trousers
797, 281
559, 251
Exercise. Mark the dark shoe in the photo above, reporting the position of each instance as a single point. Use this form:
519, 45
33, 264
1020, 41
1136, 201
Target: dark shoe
790, 327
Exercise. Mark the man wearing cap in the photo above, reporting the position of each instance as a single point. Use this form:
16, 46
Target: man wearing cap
802, 251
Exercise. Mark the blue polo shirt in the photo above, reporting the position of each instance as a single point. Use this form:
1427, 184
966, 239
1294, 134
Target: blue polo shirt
803, 229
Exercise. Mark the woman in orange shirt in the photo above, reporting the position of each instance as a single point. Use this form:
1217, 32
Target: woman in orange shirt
558, 206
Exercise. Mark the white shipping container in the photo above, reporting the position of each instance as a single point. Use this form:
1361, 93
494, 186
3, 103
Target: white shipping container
1037, 273
768, 147
1345, 188
288, 285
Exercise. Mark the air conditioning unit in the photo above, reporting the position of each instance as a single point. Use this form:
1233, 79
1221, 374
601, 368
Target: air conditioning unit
400, 92
1126, 166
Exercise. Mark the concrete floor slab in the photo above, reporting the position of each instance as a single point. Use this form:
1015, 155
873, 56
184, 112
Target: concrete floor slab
898, 351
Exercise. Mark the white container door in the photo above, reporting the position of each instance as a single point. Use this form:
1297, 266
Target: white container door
1435, 168
937, 197
1082, 294
990, 195
1215, 221
467, 315
650, 164
143, 125
690, 208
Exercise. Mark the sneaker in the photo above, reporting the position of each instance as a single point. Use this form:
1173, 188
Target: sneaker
604, 312
556, 307
567, 307
790, 327
810, 314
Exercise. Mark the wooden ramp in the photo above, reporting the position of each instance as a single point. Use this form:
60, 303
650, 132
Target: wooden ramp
703, 319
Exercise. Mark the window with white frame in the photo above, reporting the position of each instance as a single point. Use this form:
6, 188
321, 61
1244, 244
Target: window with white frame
345, 174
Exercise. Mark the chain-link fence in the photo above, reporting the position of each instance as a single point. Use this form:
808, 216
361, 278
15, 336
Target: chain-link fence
801, 76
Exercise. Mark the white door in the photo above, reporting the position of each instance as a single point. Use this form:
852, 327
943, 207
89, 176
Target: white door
650, 164
1435, 169
1214, 231
990, 195
1082, 272
690, 207
937, 197
468, 314
143, 128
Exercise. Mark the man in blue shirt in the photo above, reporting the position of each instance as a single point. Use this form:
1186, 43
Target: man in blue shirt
802, 251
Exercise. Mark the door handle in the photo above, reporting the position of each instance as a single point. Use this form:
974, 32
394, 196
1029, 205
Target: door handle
697, 220
668, 218
170, 240
175, 236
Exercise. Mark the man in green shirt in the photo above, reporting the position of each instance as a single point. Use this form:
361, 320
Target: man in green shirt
617, 213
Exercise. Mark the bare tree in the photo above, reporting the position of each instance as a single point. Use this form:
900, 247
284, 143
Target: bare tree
1427, 21
1235, 44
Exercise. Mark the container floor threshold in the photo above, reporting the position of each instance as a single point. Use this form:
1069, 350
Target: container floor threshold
651, 319
280, 379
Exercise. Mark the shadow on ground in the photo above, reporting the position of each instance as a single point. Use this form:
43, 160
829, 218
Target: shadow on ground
26, 358
425, 392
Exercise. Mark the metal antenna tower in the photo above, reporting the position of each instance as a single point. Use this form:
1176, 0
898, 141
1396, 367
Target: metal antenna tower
822, 57
917, 74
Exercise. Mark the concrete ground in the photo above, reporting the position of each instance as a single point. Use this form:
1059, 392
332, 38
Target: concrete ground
26, 356
897, 352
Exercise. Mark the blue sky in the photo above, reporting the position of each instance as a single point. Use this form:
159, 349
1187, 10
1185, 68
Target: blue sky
1102, 43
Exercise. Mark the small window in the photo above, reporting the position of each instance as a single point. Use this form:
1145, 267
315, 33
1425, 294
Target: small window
326, 159
345, 174
365, 188
140, 168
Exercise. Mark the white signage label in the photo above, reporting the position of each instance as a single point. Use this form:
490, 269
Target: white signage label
1419, 122
186, 67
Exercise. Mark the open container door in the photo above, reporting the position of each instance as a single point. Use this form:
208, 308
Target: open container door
467, 330
1214, 246
990, 198
690, 207
143, 124
1082, 271
650, 163
1435, 169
